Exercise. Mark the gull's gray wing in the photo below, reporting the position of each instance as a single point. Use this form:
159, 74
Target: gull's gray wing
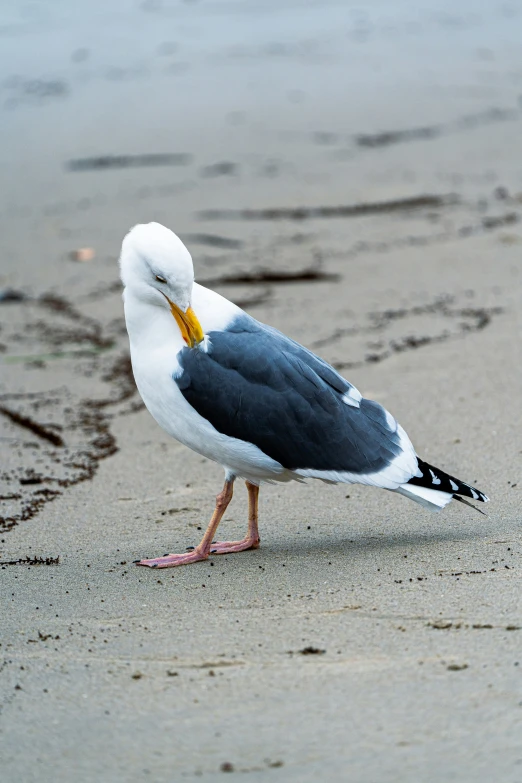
255, 384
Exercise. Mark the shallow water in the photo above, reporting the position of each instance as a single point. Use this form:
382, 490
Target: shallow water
290, 96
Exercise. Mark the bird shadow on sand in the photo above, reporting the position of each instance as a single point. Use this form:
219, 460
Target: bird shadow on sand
364, 543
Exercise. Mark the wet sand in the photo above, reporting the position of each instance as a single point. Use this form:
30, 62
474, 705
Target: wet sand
353, 178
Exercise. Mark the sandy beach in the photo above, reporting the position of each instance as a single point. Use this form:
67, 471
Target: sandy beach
352, 176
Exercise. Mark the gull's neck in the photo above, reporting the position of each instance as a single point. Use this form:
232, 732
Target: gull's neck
150, 326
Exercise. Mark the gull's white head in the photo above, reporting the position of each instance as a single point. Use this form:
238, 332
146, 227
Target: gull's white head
155, 264
156, 268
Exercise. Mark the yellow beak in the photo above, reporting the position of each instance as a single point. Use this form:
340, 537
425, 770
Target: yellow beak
189, 325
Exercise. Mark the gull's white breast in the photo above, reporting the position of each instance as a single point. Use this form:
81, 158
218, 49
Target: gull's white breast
155, 341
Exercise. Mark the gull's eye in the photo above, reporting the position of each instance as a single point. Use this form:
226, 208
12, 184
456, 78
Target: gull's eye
160, 279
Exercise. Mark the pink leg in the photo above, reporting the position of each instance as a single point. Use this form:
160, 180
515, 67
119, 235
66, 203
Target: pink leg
251, 540
202, 551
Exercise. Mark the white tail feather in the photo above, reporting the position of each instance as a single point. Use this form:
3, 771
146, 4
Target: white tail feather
433, 499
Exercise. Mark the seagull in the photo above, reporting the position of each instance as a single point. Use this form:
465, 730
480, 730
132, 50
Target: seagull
244, 395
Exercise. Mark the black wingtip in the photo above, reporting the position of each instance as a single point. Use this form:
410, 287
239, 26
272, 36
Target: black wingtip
435, 478
467, 503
